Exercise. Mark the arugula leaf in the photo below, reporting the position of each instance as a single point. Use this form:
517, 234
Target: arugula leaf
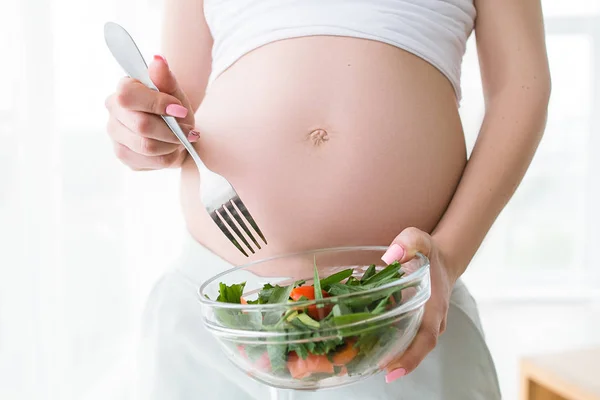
231, 294
391, 270
300, 349
365, 343
326, 346
255, 352
278, 294
340, 309
360, 302
368, 273
380, 307
298, 331
237, 319
398, 296
317, 283
351, 318
312, 344
308, 321
335, 278
255, 319
265, 293
278, 357
336, 289
299, 283
352, 281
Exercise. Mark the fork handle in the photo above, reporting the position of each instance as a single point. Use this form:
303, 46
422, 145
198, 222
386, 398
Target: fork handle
129, 57
176, 129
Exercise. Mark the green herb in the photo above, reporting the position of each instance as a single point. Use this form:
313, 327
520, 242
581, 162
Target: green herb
265, 293
231, 294
300, 349
368, 273
352, 281
299, 283
380, 307
278, 357
389, 271
337, 289
277, 294
255, 352
335, 278
351, 318
340, 309
317, 282
308, 321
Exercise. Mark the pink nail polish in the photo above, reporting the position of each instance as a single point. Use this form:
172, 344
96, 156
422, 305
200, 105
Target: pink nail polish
395, 374
394, 253
193, 136
161, 58
175, 110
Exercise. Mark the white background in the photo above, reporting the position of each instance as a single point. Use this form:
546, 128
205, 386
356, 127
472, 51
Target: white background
82, 239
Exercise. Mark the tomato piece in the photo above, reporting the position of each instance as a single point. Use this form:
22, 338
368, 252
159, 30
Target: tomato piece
317, 313
300, 368
392, 303
242, 351
345, 354
263, 363
306, 291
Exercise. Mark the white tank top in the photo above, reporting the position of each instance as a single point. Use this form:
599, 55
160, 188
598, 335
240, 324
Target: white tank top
435, 30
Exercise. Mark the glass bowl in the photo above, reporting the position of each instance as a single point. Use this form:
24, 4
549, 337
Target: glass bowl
315, 344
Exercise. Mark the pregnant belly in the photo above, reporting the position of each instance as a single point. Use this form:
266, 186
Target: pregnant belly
329, 142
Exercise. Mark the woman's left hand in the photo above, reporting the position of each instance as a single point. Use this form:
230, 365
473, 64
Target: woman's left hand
404, 248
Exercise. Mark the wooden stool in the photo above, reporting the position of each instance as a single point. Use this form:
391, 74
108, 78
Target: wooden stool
573, 375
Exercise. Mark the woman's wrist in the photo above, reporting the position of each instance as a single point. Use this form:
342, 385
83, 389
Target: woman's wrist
452, 257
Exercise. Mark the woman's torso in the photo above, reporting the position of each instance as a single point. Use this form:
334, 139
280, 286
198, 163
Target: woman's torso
391, 157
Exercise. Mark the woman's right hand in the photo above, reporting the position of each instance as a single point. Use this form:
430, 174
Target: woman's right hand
141, 138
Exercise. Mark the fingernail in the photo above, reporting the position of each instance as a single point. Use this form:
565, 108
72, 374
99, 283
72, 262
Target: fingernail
175, 110
161, 58
395, 374
193, 136
394, 253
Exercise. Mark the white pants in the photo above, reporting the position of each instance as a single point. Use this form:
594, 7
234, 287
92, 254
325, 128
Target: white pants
179, 359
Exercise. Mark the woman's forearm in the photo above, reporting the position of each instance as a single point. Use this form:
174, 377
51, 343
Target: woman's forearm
509, 136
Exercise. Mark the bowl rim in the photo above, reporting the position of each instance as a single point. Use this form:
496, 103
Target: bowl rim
408, 278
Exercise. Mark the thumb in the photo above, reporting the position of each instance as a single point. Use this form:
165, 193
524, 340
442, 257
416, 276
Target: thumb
165, 81
406, 245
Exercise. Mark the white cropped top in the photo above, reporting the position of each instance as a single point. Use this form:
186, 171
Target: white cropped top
435, 30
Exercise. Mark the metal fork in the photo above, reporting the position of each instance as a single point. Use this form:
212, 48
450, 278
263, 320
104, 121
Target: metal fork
218, 196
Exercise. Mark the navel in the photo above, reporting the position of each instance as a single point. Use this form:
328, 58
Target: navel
318, 136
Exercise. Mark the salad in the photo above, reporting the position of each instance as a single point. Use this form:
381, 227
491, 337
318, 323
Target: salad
318, 340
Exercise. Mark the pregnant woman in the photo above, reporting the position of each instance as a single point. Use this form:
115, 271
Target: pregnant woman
337, 122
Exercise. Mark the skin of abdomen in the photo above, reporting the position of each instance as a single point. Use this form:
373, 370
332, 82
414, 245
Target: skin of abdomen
330, 141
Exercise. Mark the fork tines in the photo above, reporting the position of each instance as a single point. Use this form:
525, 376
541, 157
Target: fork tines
233, 215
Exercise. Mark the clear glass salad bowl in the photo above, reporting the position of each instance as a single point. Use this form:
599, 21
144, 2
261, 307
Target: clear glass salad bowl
274, 323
